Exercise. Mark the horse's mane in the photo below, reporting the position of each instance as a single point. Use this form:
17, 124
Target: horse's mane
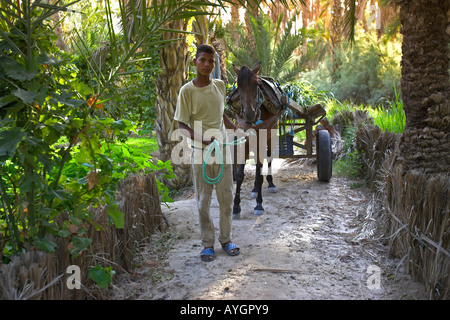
245, 76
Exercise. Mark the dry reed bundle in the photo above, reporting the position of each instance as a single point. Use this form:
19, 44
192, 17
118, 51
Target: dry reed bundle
28, 276
39, 275
139, 200
373, 144
343, 122
418, 224
414, 210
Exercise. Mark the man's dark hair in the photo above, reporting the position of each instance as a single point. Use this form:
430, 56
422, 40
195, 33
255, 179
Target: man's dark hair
205, 48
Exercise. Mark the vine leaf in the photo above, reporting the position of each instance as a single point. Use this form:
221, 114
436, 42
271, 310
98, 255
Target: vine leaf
116, 215
9, 139
25, 95
17, 71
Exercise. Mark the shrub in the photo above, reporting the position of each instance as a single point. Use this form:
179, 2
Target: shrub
366, 72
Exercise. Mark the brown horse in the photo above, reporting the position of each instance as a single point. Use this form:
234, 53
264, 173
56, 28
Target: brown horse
253, 114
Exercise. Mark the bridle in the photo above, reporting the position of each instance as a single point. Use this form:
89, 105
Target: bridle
259, 102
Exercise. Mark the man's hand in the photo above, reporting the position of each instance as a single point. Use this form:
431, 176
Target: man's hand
239, 134
207, 141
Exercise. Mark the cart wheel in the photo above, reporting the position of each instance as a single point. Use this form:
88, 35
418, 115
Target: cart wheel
323, 153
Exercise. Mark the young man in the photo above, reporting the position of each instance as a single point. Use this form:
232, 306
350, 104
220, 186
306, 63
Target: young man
200, 108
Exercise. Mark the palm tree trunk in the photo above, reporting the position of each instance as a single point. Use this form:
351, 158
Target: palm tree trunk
425, 86
419, 188
174, 65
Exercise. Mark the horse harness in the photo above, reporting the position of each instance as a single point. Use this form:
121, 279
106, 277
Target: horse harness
267, 93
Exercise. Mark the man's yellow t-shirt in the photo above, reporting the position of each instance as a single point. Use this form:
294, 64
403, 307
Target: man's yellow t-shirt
202, 108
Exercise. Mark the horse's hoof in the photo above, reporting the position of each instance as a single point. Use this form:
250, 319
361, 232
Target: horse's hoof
272, 189
236, 216
236, 210
253, 195
258, 211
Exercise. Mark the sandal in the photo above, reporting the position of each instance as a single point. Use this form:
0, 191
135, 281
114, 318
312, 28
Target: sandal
208, 254
231, 249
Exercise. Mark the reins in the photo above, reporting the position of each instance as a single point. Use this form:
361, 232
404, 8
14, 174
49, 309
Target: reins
215, 146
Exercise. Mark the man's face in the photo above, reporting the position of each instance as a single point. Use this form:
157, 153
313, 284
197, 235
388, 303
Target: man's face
205, 63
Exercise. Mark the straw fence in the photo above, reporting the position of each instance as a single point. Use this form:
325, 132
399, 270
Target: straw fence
413, 210
40, 275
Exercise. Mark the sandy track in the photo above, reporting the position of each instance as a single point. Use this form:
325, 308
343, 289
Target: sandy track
314, 241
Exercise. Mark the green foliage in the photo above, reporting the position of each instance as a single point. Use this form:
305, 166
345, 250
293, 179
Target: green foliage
304, 93
147, 144
128, 86
101, 276
58, 150
366, 72
349, 166
276, 49
392, 116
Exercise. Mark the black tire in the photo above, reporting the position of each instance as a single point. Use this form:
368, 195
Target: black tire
324, 156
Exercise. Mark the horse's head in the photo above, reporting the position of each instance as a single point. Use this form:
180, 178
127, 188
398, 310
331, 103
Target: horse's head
247, 86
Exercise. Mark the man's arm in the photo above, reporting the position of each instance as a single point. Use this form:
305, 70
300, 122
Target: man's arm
230, 125
193, 135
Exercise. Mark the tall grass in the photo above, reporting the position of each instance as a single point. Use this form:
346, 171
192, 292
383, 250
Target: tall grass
388, 115
144, 144
392, 117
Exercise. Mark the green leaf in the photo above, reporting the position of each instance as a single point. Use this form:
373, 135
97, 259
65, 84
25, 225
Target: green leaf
17, 71
81, 211
45, 244
25, 95
79, 244
101, 276
45, 59
26, 182
46, 160
117, 216
78, 122
9, 139
125, 152
66, 98
7, 99
82, 156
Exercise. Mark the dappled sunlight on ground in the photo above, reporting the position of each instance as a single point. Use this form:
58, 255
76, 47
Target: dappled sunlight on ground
307, 245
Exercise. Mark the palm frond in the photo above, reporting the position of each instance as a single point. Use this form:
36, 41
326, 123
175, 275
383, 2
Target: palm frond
285, 49
283, 53
261, 30
350, 19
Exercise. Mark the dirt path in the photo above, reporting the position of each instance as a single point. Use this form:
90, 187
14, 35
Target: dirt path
314, 241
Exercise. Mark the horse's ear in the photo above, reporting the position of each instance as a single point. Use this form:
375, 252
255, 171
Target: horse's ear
236, 69
256, 69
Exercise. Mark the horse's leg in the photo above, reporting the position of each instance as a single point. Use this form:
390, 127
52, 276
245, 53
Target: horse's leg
254, 193
272, 188
237, 197
259, 210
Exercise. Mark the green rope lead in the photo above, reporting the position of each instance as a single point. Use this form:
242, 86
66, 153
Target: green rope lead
215, 145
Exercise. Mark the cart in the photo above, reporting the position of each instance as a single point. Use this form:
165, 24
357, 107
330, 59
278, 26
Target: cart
296, 118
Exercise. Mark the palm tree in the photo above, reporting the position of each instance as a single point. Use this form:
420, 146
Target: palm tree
277, 49
418, 199
174, 66
422, 203
425, 86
